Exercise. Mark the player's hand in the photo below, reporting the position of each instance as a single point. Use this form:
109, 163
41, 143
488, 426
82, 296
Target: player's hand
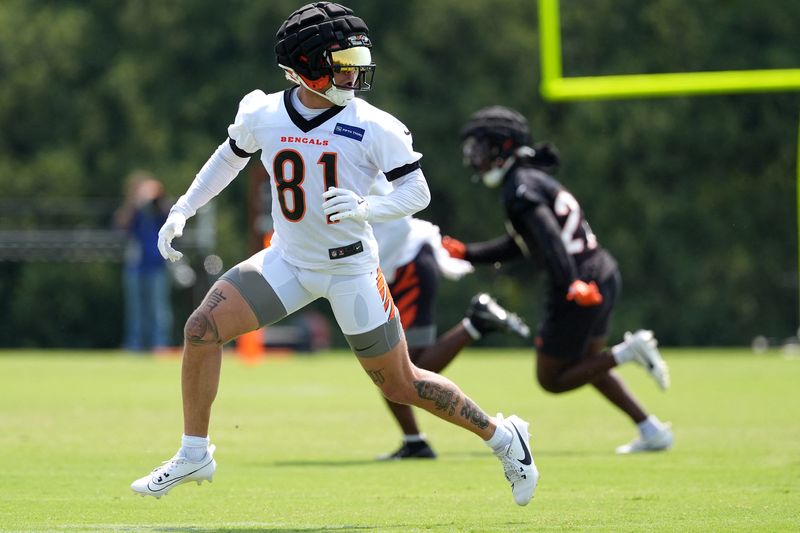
340, 204
584, 294
171, 229
454, 247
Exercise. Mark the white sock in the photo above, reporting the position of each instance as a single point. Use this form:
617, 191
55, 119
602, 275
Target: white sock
649, 426
621, 353
420, 437
500, 440
193, 448
473, 332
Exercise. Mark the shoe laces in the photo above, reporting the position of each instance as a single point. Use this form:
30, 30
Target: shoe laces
167, 466
511, 469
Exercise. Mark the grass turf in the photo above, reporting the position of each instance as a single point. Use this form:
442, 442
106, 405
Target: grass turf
296, 437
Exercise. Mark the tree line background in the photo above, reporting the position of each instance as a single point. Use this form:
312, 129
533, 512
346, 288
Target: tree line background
694, 196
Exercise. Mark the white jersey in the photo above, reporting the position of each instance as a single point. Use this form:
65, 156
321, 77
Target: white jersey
347, 147
400, 240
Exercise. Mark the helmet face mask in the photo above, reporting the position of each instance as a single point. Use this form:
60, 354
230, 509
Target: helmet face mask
324, 47
484, 158
356, 60
479, 154
491, 138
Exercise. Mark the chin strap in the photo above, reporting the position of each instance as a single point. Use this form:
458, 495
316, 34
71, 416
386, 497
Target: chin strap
333, 94
525, 151
494, 177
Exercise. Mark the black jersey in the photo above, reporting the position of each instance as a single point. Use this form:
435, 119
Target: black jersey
546, 224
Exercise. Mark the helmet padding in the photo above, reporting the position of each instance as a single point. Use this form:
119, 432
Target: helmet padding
305, 38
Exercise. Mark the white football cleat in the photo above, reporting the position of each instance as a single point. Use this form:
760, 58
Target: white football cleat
662, 440
517, 459
644, 347
175, 472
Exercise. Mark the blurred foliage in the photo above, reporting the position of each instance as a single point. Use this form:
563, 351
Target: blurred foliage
694, 196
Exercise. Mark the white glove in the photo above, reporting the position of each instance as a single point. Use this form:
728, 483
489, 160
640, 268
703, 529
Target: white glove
172, 228
342, 203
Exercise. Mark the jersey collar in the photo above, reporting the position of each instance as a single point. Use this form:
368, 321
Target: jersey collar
307, 125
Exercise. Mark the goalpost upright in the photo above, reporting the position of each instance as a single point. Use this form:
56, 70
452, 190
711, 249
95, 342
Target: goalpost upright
555, 87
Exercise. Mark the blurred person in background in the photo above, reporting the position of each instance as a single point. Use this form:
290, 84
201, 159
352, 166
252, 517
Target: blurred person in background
148, 312
412, 259
546, 226
324, 148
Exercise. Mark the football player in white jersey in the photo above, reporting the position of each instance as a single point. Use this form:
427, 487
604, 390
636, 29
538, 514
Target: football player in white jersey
323, 149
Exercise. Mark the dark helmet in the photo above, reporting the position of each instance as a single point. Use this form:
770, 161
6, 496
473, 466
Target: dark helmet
501, 129
490, 137
321, 38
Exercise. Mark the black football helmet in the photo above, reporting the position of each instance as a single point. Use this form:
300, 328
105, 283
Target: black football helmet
490, 138
321, 39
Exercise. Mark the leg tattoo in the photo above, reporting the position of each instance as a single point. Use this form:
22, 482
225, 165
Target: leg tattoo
377, 376
202, 322
445, 398
473, 414
199, 325
214, 299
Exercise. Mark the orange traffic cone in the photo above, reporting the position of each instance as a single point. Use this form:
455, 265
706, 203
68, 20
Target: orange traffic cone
250, 346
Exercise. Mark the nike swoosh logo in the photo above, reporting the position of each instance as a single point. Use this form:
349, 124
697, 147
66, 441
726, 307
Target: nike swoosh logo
161, 486
407, 132
366, 347
527, 459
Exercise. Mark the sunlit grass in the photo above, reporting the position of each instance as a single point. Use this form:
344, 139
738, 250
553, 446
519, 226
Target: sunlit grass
296, 437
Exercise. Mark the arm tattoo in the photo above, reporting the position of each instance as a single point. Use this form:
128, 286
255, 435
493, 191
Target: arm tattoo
377, 376
473, 414
445, 398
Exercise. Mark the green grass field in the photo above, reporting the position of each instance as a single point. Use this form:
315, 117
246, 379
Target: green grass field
296, 437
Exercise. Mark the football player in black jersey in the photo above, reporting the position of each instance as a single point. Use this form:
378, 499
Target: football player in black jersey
546, 226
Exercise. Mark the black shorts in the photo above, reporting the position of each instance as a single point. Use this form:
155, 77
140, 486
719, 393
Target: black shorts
414, 292
567, 328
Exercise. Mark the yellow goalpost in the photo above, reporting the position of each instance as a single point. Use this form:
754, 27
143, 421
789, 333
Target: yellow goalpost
555, 87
